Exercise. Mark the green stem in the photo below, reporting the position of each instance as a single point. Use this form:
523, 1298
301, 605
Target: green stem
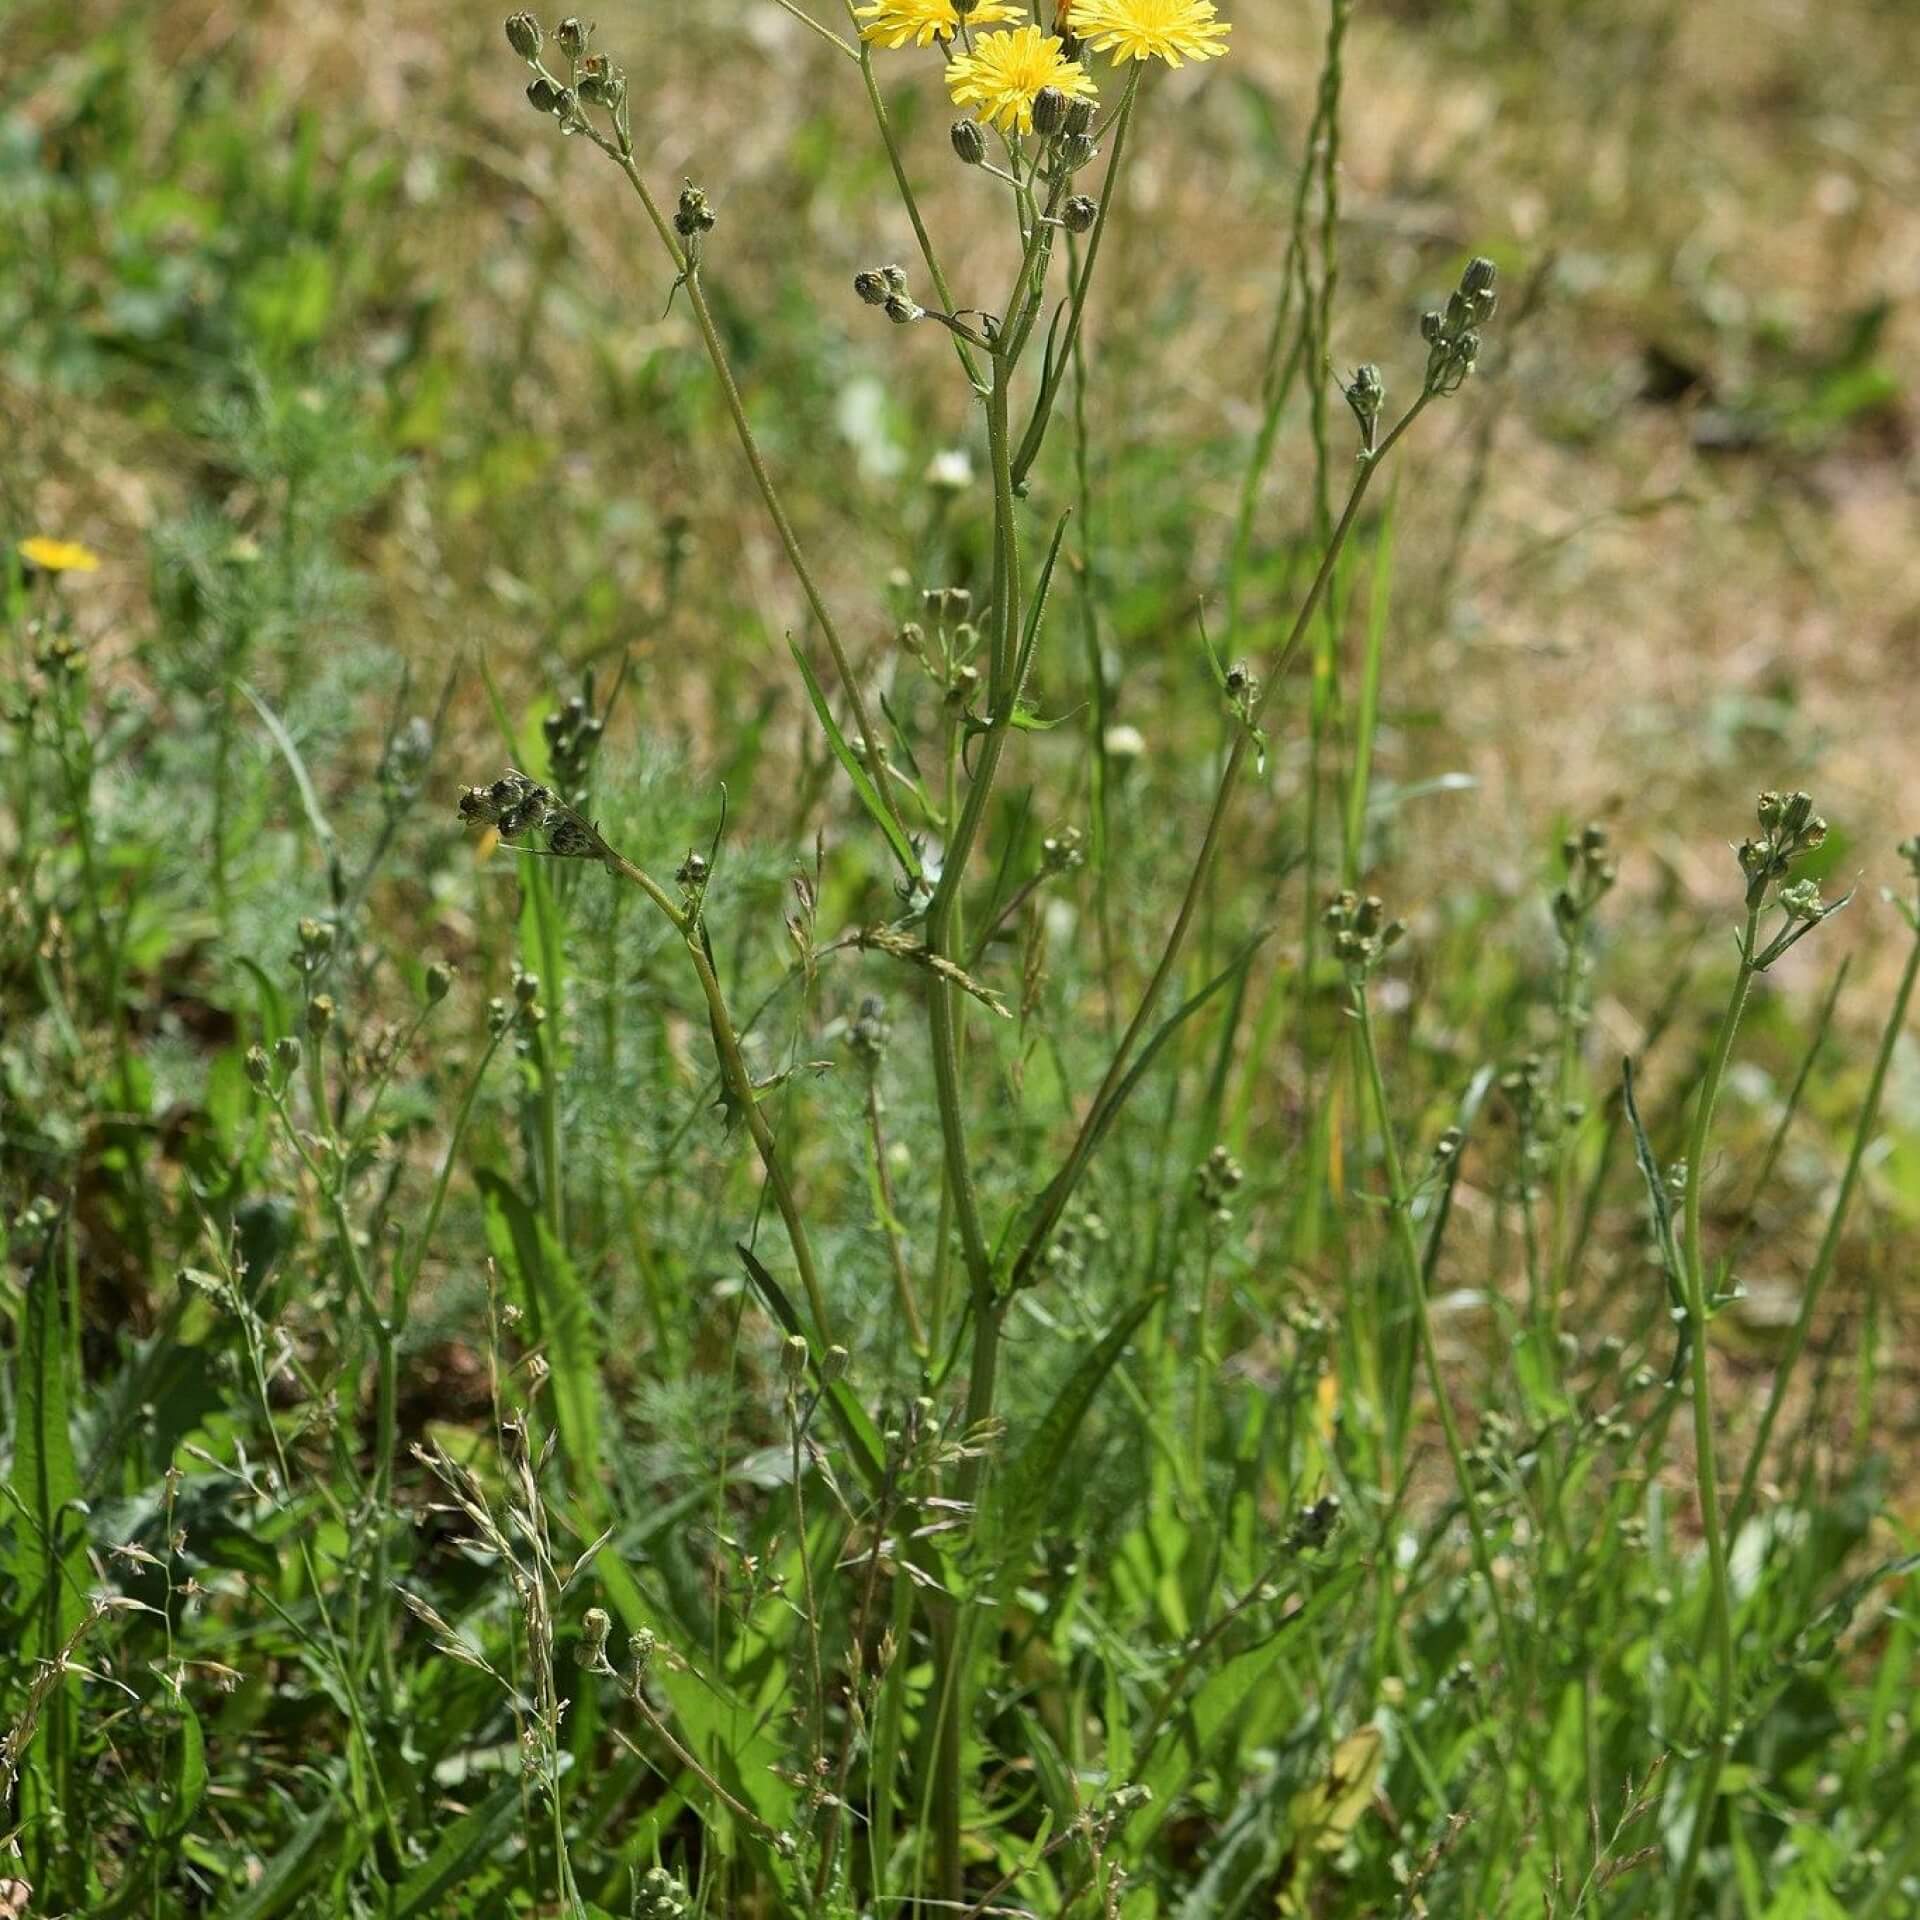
1829, 1243
738, 1082
1062, 358
763, 480
1694, 1274
1063, 1184
912, 205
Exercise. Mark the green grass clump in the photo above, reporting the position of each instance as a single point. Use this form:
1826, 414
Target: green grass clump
783, 1232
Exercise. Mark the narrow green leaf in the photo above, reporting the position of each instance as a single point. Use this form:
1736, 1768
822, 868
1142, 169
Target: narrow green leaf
561, 1316
1662, 1221
48, 1562
862, 782
464, 1848
314, 1844
1017, 1506
846, 1412
1036, 612
309, 799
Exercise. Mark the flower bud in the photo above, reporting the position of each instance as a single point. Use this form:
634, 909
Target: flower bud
258, 1072
834, 1364
526, 988
543, 96
1079, 213
969, 142
1049, 112
1079, 112
319, 1015
286, 1053
524, 35
595, 1625
572, 37
1480, 275
871, 286
902, 311
439, 982
793, 1356
694, 214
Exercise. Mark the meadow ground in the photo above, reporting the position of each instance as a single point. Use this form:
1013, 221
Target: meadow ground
1270, 1481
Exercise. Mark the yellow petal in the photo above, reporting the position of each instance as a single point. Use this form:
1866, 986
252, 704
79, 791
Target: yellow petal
58, 556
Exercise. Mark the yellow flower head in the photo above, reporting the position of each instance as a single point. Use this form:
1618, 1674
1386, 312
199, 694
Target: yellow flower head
58, 556
1005, 70
892, 23
1169, 30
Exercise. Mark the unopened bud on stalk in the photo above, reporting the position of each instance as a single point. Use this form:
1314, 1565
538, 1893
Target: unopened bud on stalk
258, 1072
286, 1053
595, 1625
1366, 395
1079, 213
1049, 112
902, 311
834, 1364
793, 1356
969, 142
871, 286
524, 35
319, 1015
1080, 111
694, 214
439, 982
572, 36
542, 95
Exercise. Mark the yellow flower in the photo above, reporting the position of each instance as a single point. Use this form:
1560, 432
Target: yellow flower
1005, 70
892, 23
58, 556
1151, 29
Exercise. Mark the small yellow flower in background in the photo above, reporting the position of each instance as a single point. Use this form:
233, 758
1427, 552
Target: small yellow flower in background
57, 556
892, 23
1168, 30
1005, 70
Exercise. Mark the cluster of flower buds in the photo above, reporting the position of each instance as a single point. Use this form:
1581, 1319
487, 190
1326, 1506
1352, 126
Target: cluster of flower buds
1062, 852
1362, 934
659, 1895
573, 736
315, 950
1789, 827
592, 80
1590, 874
1453, 336
886, 288
694, 215
265, 1072
516, 805
1528, 1092
1066, 125
1216, 1180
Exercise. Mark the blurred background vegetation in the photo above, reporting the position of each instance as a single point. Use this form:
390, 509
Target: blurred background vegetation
370, 399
